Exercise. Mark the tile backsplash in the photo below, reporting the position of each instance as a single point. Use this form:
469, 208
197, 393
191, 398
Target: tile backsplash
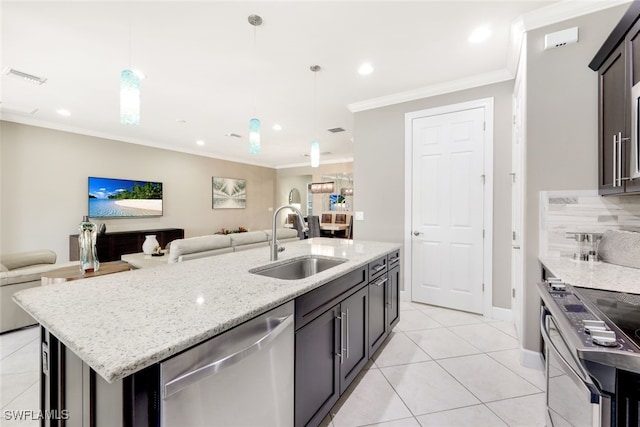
582, 211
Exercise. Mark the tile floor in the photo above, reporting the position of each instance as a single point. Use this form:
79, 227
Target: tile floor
438, 368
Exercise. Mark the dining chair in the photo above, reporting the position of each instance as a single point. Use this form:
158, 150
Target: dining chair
327, 218
314, 226
299, 227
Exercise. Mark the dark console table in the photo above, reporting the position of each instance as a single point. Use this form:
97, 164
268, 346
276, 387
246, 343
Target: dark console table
111, 246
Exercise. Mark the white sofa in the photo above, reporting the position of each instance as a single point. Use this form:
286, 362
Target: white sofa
216, 244
20, 271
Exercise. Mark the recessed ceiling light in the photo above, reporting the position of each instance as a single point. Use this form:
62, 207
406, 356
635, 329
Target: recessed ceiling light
277, 127
479, 35
63, 112
200, 142
365, 69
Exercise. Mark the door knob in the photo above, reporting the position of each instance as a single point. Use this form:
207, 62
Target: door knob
417, 233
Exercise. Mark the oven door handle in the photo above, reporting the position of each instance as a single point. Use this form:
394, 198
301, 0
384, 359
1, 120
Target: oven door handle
593, 391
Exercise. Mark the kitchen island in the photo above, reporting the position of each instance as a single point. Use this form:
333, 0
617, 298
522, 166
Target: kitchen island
121, 324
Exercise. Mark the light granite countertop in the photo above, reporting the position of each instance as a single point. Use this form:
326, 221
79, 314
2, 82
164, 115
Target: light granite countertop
600, 275
121, 323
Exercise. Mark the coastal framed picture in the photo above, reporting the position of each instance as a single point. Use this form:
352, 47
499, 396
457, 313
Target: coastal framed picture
229, 193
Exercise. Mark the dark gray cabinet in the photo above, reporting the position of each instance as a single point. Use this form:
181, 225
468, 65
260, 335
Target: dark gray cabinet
393, 290
384, 300
354, 354
618, 66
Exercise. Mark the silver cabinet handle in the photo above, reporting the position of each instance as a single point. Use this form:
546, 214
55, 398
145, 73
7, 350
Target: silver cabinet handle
615, 162
341, 319
380, 282
185, 380
619, 159
346, 350
379, 267
392, 260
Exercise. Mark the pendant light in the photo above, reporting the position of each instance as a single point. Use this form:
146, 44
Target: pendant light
315, 145
130, 93
254, 123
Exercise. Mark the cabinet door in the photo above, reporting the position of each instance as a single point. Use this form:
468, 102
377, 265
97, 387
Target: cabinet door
393, 294
317, 368
354, 315
612, 111
632, 41
378, 300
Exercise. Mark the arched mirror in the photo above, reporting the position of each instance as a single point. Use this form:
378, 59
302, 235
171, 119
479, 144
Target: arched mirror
294, 196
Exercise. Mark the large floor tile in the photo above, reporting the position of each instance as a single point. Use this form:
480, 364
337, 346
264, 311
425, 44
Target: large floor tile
410, 306
470, 416
487, 379
507, 327
511, 359
399, 350
25, 359
485, 337
527, 411
415, 320
371, 401
405, 422
441, 343
27, 401
13, 341
13, 385
425, 387
447, 317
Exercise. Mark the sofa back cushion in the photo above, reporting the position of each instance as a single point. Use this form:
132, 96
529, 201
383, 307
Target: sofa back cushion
197, 244
26, 259
239, 239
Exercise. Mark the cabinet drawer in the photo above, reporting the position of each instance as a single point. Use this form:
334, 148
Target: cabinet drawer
377, 267
393, 258
313, 303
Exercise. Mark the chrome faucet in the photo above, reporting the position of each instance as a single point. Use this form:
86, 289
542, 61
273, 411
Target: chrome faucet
274, 242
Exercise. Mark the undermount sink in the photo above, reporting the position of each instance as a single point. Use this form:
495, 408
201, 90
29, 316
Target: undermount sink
299, 268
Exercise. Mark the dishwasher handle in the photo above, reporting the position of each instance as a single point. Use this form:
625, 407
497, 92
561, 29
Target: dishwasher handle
185, 380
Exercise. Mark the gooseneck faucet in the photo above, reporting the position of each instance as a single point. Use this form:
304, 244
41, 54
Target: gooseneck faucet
274, 242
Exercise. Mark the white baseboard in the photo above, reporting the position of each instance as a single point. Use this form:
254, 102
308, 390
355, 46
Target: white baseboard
531, 359
405, 296
500, 313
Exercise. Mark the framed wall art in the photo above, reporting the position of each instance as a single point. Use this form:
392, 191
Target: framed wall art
229, 193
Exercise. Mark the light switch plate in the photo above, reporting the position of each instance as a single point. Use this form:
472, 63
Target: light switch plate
359, 216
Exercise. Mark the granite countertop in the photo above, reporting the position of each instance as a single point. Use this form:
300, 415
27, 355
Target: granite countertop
600, 275
121, 323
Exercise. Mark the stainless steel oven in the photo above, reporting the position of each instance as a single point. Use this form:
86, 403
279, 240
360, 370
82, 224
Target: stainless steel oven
572, 397
592, 355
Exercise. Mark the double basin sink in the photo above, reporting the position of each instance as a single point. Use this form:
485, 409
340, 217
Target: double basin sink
298, 268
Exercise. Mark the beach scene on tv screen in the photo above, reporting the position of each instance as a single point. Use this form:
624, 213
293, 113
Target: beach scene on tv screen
124, 198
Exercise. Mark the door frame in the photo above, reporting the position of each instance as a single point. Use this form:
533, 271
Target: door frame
487, 104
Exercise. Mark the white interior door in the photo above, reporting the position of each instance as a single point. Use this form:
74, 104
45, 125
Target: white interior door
448, 209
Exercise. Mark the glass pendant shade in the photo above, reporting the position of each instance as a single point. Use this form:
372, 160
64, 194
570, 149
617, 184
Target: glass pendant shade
254, 136
129, 98
315, 154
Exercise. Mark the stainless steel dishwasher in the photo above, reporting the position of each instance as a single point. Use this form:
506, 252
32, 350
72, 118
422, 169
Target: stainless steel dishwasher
243, 377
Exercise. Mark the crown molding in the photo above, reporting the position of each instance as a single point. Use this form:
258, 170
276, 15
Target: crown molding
566, 9
433, 90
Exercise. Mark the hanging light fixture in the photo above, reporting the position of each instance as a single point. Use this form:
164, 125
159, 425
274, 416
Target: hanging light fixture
130, 93
315, 145
254, 123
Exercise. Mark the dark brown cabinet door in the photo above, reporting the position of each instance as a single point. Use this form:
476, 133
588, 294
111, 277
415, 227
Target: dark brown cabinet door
632, 41
354, 315
393, 292
317, 368
378, 300
612, 111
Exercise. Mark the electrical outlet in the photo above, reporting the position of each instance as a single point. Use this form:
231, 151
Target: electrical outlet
359, 216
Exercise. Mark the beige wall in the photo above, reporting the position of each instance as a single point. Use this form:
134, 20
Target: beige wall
379, 174
44, 187
562, 132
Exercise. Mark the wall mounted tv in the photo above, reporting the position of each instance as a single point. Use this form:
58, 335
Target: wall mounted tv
124, 198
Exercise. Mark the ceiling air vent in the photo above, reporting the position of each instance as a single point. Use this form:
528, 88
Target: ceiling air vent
336, 130
24, 76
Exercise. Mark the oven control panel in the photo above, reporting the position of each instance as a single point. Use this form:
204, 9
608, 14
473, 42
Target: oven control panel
593, 331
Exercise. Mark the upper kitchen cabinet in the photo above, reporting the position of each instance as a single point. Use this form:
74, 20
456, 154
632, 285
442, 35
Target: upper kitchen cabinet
618, 66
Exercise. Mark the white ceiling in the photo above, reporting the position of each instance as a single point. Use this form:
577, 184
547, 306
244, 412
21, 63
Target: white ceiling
205, 67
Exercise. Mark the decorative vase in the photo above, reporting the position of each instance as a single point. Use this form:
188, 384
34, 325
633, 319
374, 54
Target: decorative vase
87, 242
150, 244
